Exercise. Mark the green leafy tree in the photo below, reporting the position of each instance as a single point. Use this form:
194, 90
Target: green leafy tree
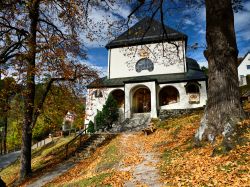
204, 69
110, 111
91, 127
99, 120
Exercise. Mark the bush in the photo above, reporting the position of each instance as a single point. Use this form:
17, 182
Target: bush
108, 115
110, 111
99, 120
91, 127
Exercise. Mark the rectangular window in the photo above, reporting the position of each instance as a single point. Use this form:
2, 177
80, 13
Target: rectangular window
248, 66
98, 93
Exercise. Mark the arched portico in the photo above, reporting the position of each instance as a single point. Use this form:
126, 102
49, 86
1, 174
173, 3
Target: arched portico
140, 98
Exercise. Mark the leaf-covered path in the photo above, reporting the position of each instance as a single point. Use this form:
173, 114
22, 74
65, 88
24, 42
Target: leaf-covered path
142, 164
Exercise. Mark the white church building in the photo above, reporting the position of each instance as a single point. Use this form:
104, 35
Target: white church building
148, 71
244, 69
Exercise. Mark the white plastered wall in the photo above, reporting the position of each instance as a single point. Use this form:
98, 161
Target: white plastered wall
93, 104
184, 99
243, 71
122, 60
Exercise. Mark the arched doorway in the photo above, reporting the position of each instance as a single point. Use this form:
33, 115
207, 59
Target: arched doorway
119, 96
141, 100
168, 95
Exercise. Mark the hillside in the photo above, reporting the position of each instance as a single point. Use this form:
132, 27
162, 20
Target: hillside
166, 157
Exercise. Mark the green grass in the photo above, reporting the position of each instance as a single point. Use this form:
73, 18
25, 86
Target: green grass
176, 131
226, 168
167, 156
111, 156
93, 181
42, 158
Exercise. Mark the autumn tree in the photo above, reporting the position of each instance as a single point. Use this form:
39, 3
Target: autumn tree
59, 101
223, 111
40, 42
8, 88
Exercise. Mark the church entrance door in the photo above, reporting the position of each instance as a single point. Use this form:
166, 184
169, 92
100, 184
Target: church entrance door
141, 102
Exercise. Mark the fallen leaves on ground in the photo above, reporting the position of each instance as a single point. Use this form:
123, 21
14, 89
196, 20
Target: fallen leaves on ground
181, 163
185, 165
118, 178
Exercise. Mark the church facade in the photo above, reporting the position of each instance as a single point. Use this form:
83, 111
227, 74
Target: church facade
148, 71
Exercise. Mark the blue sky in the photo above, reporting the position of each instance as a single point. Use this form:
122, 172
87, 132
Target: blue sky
193, 25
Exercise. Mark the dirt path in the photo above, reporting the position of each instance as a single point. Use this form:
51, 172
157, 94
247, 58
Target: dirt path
142, 164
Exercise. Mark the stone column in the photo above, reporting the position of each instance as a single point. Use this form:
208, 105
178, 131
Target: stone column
127, 108
153, 100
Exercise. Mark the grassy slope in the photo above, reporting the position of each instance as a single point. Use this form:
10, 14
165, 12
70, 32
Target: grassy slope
94, 170
42, 158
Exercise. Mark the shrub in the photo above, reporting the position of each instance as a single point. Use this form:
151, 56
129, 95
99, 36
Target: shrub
91, 127
99, 120
110, 111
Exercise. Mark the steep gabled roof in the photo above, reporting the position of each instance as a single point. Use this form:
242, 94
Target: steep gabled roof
192, 64
240, 60
146, 31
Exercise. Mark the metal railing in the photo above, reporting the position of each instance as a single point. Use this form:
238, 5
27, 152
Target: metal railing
74, 141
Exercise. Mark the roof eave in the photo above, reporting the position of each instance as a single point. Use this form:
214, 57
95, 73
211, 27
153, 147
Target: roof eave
142, 42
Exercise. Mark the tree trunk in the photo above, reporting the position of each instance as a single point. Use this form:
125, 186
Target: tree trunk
223, 110
29, 93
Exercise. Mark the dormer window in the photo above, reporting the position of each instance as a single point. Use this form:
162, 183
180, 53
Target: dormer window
144, 64
193, 92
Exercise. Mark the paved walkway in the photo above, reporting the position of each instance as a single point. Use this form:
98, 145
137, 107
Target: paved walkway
49, 176
9, 158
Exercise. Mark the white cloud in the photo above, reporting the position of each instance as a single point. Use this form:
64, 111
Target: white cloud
103, 24
202, 31
102, 70
188, 22
242, 23
203, 63
201, 14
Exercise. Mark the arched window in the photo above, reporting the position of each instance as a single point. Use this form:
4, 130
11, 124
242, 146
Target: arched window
98, 93
169, 95
144, 64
